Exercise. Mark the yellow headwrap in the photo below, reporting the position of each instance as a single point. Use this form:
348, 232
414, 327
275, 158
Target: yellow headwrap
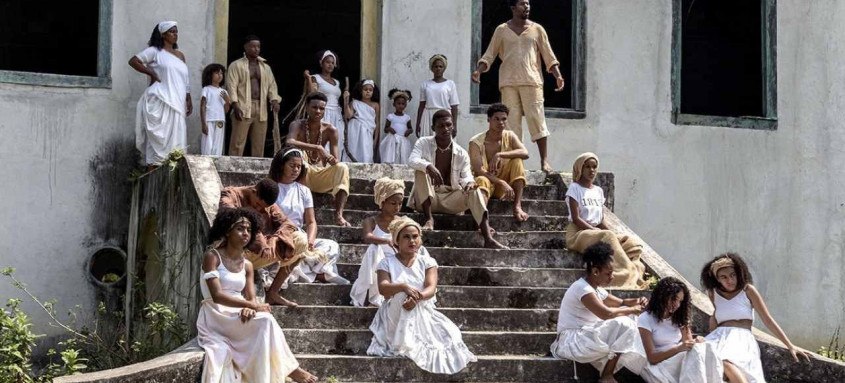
579, 164
438, 57
399, 224
385, 188
719, 264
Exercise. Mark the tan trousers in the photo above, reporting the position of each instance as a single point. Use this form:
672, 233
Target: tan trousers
628, 270
328, 179
512, 170
250, 125
525, 101
447, 200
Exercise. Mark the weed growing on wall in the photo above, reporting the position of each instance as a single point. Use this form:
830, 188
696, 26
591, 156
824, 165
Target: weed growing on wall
833, 350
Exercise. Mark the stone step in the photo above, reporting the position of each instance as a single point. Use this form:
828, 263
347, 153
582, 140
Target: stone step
356, 342
453, 296
467, 319
453, 238
456, 256
350, 368
494, 206
550, 192
490, 276
464, 222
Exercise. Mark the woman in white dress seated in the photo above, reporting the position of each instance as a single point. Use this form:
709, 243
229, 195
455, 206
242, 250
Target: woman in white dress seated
674, 354
242, 341
596, 327
407, 323
297, 202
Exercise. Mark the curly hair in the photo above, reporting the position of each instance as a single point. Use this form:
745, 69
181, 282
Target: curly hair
661, 296
396, 90
277, 166
267, 190
743, 276
497, 107
210, 70
227, 217
156, 40
358, 91
597, 256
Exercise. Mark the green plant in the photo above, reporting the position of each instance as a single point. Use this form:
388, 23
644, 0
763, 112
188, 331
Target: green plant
651, 281
833, 350
16, 343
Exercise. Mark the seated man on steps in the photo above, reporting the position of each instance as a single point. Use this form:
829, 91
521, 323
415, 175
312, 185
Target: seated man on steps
443, 182
326, 174
496, 159
274, 239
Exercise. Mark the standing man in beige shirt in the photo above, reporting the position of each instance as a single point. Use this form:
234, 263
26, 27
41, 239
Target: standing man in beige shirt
251, 85
521, 44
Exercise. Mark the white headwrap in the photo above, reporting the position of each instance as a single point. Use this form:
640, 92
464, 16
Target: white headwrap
369, 82
327, 53
294, 150
165, 26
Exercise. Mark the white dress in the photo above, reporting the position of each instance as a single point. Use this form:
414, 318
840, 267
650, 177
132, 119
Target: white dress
160, 114
211, 144
396, 148
584, 338
334, 112
698, 365
235, 350
437, 95
366, 286
423, 334
734, 344
293, 199
360, 132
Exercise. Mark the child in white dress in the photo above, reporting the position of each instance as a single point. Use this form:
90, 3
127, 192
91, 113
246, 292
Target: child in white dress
241, 338
407, 324
388, 195
596, 327
362, 128
214, 104
728, 283
396, 147
674, 355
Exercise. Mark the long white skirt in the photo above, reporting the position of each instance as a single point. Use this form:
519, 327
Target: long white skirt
425, 122
395, 149
423, 335
334, 116
699, 365
211, 144
366, 285
360, 142
255, 351
308, 268
599, 343
159, 128
738, 346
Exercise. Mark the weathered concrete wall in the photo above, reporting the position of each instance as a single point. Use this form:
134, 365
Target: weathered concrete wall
67, 154
777, 197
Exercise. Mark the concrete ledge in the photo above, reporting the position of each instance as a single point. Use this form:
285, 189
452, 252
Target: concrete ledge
183, 364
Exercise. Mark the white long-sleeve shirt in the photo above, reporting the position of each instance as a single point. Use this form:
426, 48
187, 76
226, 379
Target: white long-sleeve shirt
423, 155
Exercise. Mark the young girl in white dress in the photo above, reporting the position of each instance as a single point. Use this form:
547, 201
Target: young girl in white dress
388, 195
729, 285
435, 94
407, 324
241, 339
362, 130
596, 327
396, 147
214, 104
326, 84
674, 354
297, 202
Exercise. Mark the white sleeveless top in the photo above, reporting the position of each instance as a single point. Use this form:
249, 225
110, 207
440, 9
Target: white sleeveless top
232, 283
332, 92
736, 308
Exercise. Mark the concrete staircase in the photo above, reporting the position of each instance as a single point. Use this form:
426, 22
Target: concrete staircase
505, 302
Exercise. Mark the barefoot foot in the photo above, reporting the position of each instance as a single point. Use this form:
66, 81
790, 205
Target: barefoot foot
491, 243
519, 215
429, 224
547, 168
342, 222
301, 376
274, 299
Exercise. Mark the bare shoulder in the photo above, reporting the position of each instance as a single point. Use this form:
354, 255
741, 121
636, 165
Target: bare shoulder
179, 54
211, 258
329, 128
247, 265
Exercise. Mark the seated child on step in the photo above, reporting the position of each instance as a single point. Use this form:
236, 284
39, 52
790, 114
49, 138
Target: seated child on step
596, 327
407, 323
395, 147
728, 284
388, 195
362, 128
673, 354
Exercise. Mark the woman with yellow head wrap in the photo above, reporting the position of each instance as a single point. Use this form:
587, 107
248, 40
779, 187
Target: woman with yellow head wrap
435, 94
407, 323
586, 224
388, 195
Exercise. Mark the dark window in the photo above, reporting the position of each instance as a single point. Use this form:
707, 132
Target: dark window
50, 36
563, 21
724, 61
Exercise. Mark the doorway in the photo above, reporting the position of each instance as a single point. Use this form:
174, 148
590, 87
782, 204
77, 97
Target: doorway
291, 33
